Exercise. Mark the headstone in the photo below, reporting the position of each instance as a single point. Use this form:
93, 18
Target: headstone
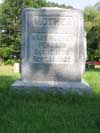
53, 49
1, 61
16, 67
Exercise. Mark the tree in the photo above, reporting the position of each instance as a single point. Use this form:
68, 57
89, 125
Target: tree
53, 4
97, 6
10, 25
92, 23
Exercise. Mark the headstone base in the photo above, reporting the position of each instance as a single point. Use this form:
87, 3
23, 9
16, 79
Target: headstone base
79, 87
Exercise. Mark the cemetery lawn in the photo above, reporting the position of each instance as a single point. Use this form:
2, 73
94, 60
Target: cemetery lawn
30, 112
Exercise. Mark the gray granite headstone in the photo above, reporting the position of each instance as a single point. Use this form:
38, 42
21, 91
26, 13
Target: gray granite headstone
53, 50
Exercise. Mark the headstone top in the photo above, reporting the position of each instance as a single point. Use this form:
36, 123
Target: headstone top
57, 10
53, 8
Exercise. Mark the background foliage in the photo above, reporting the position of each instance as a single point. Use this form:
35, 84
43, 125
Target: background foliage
92, 22
10, 24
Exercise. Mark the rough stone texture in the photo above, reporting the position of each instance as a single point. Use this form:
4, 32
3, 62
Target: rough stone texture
53, 48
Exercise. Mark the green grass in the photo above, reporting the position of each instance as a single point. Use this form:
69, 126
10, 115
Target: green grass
22, 112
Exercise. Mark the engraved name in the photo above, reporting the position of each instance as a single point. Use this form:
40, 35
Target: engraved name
52, 37
52, 51
57, 21
53, 59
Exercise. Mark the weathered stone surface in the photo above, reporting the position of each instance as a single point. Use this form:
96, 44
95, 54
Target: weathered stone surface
53, 47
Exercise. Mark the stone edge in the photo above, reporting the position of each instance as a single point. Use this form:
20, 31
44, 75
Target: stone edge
79, 87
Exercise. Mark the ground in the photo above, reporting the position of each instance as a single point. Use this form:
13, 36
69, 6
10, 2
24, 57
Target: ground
27, 112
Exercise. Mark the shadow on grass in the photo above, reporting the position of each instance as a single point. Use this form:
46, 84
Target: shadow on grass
45, 96
60, 113
6, 81
94, 69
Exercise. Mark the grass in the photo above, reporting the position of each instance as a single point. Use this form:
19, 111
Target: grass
22, 112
